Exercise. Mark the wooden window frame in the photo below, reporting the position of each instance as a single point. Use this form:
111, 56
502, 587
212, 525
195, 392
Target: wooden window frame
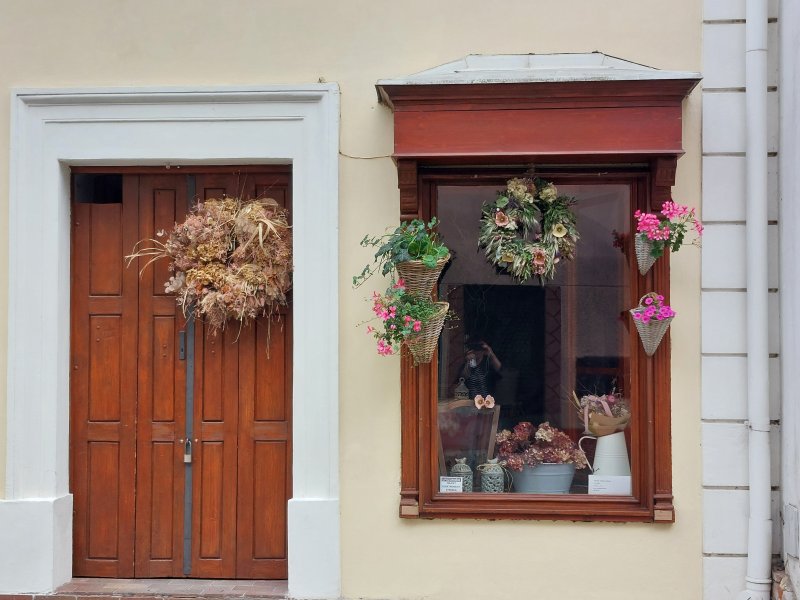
602, 124
650, 377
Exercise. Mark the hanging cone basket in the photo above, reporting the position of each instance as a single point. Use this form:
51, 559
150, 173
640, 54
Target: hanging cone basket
652, 332
423, 344
418, 278
644, 253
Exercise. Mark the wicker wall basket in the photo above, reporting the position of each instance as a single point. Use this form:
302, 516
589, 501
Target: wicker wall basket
419, 279
644, 256
423, 344
652, 332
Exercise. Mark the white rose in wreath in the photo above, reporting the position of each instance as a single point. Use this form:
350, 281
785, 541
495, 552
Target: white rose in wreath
548, 193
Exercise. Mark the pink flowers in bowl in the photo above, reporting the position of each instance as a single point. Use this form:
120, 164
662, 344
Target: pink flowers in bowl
653, 309
529, 445
652, 318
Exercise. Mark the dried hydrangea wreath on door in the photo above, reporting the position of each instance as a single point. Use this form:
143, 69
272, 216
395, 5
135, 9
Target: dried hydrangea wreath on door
528, 229
231, 259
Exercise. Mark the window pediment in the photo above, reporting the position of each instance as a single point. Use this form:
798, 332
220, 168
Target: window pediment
538, 105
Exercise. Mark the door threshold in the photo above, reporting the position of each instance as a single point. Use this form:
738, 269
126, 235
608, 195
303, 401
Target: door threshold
166, 589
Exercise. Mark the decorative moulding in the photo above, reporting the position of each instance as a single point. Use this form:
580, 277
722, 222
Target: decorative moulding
537, 68
501, 106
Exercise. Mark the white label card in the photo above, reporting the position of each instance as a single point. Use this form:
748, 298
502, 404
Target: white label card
610, 485
451, 485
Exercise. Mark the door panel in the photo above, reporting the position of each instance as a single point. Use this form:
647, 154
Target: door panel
264, 447
252, 508
129, 403
106, 248
105, 357
104, 499
162, 393
216, 414
103, 386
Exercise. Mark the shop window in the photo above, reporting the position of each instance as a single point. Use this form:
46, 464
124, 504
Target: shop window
607, 133
531, 346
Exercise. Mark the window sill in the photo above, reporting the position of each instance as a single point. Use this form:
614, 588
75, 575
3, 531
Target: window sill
536, 507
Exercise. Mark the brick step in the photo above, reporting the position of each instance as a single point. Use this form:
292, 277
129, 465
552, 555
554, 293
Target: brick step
85, 588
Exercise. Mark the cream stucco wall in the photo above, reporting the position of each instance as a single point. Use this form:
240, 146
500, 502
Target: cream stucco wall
354, 43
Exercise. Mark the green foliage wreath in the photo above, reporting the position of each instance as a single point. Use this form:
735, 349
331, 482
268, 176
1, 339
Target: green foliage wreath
528, 229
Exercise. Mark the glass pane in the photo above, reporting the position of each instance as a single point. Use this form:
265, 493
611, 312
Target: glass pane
530, 347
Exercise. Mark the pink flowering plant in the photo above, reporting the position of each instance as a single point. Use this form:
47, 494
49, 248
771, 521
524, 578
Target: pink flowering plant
528, 445
668, 228
652, 308
400, 316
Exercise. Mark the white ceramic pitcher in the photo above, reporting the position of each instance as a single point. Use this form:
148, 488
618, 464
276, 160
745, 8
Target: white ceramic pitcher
610, 455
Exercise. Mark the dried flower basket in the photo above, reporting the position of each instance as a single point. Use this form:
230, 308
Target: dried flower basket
644, 253
423, 344
650, 333
418, 278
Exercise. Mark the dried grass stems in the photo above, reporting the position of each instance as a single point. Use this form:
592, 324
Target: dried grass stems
230, 259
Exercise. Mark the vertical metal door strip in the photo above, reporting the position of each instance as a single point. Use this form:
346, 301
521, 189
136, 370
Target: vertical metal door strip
187, 351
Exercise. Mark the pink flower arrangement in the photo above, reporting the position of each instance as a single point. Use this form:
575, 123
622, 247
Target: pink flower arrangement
654, 308
668, 228
400, 315
604, 414
529, 445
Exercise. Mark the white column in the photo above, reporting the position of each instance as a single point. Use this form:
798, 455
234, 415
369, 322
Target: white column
789, 182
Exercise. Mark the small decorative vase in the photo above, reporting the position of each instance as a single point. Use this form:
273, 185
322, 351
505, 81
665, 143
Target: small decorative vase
644, 253
462, 469
546, 478
419, 279
492, 476
462, 391
423, 344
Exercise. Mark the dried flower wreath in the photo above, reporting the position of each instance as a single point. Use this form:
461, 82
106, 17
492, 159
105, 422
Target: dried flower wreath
231, 259
528, 229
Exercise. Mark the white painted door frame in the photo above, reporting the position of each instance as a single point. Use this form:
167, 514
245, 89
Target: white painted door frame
55, 129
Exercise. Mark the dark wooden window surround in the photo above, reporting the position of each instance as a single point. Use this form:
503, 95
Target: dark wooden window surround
572, 131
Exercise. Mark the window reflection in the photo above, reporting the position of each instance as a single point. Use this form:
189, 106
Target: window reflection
526, 345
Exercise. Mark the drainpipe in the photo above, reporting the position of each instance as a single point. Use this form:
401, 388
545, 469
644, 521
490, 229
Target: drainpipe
759, 531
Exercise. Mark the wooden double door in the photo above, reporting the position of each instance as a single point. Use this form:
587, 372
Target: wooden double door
180, 440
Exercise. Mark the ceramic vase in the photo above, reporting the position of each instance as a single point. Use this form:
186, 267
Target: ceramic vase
463, 470
492, 476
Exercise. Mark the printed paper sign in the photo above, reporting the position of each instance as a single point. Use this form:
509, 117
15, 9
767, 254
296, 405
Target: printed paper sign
610, 485
451, 485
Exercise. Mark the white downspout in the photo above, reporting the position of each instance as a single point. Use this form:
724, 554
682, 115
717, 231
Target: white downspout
759, 532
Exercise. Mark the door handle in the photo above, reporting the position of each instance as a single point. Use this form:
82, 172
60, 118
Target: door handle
187, 451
